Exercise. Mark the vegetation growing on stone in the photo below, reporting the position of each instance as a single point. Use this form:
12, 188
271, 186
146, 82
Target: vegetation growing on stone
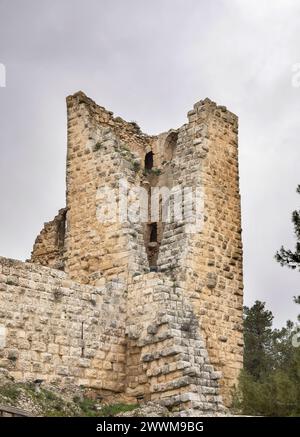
97, 146
41, 401
152, 171
136, 166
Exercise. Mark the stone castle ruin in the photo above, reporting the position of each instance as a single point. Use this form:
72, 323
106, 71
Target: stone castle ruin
145, 309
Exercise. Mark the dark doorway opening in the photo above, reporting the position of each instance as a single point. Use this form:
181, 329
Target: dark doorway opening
153, 233
149, 161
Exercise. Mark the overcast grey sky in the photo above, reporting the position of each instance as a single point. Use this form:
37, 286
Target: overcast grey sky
150, 61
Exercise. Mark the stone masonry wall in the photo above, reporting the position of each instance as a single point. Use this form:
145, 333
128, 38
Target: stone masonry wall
167, 359
57, 330
213, 265
48, 249
196, 276
143, 342
98, 157
208, 263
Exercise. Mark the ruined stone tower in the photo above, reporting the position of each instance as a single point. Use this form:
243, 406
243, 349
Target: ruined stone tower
149, 308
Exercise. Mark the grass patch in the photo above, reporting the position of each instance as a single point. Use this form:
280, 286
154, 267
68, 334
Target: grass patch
48, 403
114, 409
136, 126
136, 166
10, 391
152, 171
88, 407
156, 171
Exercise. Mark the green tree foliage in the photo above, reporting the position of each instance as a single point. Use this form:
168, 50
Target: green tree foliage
278, 394
258, 340
269, 385
287, 257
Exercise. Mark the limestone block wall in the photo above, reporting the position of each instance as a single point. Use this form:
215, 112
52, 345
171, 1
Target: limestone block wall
100, 154
48, 249
207, 263
54, 329
213, 265
182, 174
197, 273
167, 359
